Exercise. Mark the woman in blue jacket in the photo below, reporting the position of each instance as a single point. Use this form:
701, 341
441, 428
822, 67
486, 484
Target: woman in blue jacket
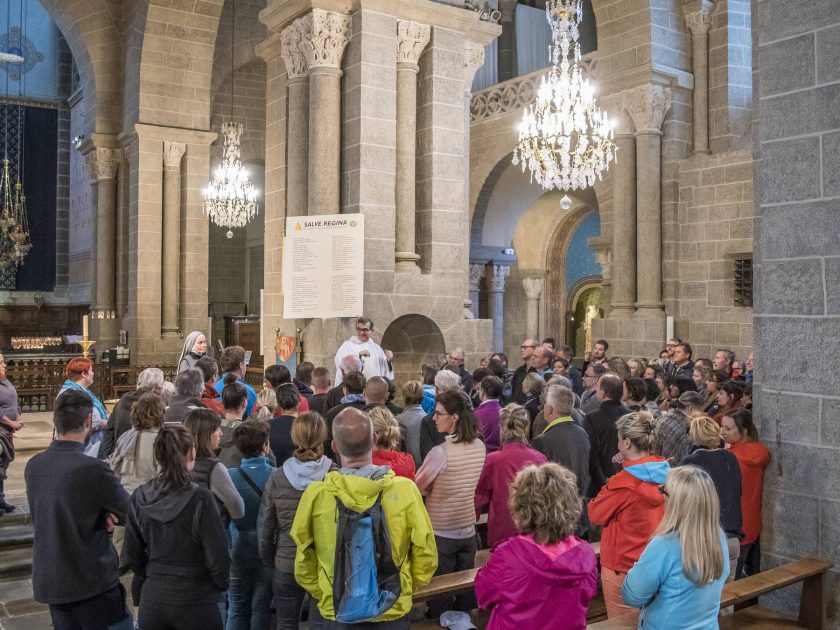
679, 577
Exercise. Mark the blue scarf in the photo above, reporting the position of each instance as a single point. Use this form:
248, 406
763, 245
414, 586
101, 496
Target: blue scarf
100, 408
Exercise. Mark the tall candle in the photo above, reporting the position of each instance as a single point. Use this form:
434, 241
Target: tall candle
85, 326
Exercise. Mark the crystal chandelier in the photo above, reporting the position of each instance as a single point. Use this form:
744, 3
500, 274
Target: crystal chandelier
565, 140
231, 199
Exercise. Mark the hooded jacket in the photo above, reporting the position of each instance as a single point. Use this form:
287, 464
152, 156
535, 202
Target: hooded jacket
753, 458
524, 584
176, 545
629, 508
280, 500
413, 547
401, 463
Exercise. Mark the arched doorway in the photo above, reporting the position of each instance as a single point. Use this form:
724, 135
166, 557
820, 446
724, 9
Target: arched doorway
414, 340
584, 304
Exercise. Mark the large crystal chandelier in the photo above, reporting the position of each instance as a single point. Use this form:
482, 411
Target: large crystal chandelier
565, 140
231, 199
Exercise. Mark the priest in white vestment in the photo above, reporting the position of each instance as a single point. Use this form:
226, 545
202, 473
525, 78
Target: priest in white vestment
375, 360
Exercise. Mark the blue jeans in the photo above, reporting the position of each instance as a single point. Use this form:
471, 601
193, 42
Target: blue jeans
249, 598
288, 600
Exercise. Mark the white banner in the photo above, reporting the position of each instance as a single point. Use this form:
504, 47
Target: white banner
323, 266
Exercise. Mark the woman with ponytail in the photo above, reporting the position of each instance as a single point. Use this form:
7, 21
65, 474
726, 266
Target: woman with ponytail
500, 469
629, 507
678, 579
175, 543
280, 500
386, 441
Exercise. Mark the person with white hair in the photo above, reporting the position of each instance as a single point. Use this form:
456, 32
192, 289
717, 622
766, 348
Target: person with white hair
375, 360
429, 435
349, 363
149, 380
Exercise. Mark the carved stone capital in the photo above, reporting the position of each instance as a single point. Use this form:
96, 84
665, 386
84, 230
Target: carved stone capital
476, 274
172, 154
103, 164
699, 22
533, 287
647, 105
412, 39
495, 277
473, 60
292, 42
329, 37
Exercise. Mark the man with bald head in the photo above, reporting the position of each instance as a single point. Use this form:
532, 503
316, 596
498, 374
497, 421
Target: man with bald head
360, 486
376, 393
600, 426
349, 363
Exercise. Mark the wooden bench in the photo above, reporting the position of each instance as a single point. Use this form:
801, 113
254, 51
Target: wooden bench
810, 571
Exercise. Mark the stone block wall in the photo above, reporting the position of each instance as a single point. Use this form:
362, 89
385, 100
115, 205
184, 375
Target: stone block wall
797, 257
716, 227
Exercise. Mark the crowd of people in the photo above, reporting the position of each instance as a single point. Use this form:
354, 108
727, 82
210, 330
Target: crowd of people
232, 508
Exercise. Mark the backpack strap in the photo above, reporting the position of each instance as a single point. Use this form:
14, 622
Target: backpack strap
250, 482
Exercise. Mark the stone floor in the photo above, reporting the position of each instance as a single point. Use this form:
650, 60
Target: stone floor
32, 439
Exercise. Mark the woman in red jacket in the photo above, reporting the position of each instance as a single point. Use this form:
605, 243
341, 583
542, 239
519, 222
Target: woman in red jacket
499, 470
629, 507
386, 434
739, 432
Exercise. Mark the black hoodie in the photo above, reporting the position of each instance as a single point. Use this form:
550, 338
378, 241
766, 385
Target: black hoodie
176, 545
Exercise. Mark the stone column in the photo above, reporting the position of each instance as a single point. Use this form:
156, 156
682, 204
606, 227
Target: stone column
412, 39
647, 105
123, 192
473, 60
624, 222
297, 69
476, 274
533, 292
495, 278
698, 17
324, 49
171, 255
507, 40
103, 165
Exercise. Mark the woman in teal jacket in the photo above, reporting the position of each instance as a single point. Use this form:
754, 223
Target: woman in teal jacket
678, 579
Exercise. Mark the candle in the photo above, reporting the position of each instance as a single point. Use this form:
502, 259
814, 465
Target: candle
85, 327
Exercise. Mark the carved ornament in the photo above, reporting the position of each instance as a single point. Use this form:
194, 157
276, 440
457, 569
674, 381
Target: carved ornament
412, 39
292, 39
329, 37
103, 164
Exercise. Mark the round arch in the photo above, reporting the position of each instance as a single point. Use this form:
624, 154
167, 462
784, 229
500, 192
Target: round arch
414, 340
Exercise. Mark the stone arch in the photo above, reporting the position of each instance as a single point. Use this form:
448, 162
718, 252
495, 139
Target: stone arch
414, 340
169, 62
92, 35
555, 286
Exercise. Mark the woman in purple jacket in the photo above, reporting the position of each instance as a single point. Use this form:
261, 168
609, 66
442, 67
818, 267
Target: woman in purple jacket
545, 573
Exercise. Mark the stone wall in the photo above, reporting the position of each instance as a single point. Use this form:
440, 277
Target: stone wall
716, 227
797, 255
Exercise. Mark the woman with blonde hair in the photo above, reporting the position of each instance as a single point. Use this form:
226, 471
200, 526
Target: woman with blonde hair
722, 466
532, 388
636, 367
499, 470
546, 568
678, 579
267, 400
280, 500
386, 438
629, 507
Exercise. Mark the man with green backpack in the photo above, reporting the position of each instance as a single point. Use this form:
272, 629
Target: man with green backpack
364, 539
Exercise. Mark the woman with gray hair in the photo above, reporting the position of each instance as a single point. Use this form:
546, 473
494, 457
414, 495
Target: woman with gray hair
149, 380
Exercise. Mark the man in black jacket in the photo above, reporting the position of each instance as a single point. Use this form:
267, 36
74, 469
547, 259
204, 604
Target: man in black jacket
75, 501
527, 351
563, 441
600, 426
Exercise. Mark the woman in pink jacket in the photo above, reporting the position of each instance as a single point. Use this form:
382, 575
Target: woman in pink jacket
545, 573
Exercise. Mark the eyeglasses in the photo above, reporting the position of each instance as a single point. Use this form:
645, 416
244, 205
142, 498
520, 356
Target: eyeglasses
663, 490
362, 329
440, 413
526, 346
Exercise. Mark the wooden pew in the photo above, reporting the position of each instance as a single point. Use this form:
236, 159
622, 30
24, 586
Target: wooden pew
810, 571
